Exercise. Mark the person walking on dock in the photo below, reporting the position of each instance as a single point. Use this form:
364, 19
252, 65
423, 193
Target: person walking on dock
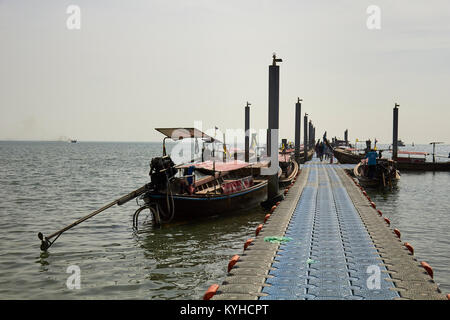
321, 149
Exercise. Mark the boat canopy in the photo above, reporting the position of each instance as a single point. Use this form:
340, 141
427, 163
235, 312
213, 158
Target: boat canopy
182, 133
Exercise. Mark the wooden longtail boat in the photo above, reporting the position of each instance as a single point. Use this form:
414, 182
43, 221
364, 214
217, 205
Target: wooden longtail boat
347, 156
416, 161
206, 188
183, 193
289, 168
185, 197
425, 166
385, 174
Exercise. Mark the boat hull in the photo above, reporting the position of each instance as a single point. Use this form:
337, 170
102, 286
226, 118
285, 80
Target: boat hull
198, 206
285, 181
423, 166
376, 182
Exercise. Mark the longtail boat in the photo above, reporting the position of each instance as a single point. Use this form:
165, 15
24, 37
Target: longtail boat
289, 167
416, 161
189, 194
385, 174
183, 192
199, 189
347, 155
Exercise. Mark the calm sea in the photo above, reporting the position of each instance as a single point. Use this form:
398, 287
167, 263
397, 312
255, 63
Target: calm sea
47, 185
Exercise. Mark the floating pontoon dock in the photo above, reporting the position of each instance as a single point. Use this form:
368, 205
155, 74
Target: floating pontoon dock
336, 245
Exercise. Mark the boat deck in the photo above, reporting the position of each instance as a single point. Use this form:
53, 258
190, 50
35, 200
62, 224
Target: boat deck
337, 246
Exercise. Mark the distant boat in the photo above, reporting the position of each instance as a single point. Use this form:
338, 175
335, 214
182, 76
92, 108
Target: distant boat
400, 143
347, 156
289, 167
73, 141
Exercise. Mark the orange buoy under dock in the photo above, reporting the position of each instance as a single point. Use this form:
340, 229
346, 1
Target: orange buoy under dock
326, 240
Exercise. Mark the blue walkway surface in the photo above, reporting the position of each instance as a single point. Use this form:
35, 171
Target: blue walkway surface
331, 255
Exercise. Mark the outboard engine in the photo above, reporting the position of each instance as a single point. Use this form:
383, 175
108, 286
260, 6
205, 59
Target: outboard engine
162, 169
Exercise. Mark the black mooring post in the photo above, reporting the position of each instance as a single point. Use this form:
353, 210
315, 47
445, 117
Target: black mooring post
310, 134
305, 136
395, 134
314, 137
298, 120
274, 105
346, 136
274, 96
247, 131
434, 146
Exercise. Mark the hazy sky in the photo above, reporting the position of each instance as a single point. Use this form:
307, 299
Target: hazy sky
137, 65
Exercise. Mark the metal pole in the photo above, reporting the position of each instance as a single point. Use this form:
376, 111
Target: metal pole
298, 115
313, 136
395, 134
305, 136
434, 146
310, 133
247, 132
274, 104
274, 96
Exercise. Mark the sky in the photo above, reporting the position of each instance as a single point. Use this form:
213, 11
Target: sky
133, 66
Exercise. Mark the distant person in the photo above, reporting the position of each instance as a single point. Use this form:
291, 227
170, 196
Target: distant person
330, 155
317, 148
321, 149
371, 163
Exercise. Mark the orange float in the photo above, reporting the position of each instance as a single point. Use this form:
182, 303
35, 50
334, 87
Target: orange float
211, 291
